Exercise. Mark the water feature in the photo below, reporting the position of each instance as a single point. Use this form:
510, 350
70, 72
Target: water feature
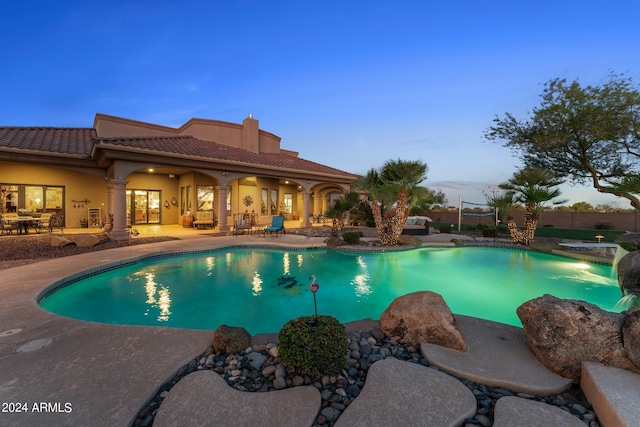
262, 289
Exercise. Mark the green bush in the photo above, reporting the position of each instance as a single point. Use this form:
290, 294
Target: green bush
313, 350
445, 229
489, 232
352, 237
603, 226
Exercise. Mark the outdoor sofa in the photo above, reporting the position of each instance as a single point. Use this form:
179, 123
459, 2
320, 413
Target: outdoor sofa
416, 225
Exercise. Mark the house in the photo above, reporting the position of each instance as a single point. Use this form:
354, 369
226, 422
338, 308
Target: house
126, 172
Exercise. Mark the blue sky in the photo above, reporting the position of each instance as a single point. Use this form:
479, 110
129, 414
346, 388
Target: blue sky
349, 84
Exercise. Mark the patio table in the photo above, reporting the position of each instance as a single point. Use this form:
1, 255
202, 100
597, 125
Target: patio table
23, 222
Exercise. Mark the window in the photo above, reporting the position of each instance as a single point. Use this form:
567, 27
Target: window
31, 199
185, 200
264, 202
204, 197
274, 202
288, 203
229, 201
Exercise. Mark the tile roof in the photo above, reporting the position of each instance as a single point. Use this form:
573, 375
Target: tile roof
192, 147
75, 141
80, 141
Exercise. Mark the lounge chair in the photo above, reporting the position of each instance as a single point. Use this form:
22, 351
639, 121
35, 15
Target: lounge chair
277, 224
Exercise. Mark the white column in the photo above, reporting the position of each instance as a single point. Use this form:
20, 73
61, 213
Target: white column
222, 208
108, 226
304, 221
119, 230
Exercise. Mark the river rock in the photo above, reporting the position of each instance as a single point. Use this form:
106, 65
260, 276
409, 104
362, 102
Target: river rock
563, 333
629, 273
231, 339
631, 335
422, 317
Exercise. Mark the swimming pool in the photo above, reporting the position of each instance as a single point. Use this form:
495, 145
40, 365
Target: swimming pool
261, 289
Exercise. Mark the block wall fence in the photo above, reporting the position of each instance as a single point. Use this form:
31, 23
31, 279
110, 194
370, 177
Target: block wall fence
624, 221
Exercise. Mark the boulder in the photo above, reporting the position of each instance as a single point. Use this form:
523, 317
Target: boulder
629, 273
231, 339
334, 242
85, 240
631, 335
422, 317
563, 333
59, 241
408, 240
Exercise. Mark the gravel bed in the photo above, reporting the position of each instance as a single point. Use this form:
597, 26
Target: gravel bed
241, 372
38, 247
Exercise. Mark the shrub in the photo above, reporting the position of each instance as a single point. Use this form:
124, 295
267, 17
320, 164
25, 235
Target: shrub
371, 223
548, 225
503, 229
445, 229
352, 237
489, 232
313, 350
603, 226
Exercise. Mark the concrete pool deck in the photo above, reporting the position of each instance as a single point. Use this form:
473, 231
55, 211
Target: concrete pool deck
59, 371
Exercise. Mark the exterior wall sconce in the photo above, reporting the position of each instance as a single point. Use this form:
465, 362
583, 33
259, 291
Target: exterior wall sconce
174, 202
166, 204
225, 173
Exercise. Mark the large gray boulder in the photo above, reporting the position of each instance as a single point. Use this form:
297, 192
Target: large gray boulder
563, 333
629, 273
231, 339
422, 317
631, 335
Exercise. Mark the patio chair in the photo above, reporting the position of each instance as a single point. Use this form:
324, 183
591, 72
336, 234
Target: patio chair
7, 227
243, 222
41, 223
277, 225
56, 221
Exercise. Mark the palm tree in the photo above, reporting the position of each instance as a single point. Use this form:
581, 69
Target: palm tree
397, 178
501, 202
340, 206
531, 187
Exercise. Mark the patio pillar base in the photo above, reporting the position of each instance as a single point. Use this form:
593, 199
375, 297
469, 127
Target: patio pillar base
118, 235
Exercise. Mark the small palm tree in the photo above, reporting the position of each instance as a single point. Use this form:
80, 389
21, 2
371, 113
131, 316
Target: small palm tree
531, 187
340, 206
397, 178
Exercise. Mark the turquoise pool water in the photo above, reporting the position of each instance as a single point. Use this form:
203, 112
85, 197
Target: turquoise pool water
261, 289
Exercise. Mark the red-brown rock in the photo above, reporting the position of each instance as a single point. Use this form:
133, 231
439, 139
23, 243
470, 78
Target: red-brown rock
231, 339
422, 317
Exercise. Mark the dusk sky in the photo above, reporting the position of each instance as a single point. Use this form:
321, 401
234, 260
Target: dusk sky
349, 84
